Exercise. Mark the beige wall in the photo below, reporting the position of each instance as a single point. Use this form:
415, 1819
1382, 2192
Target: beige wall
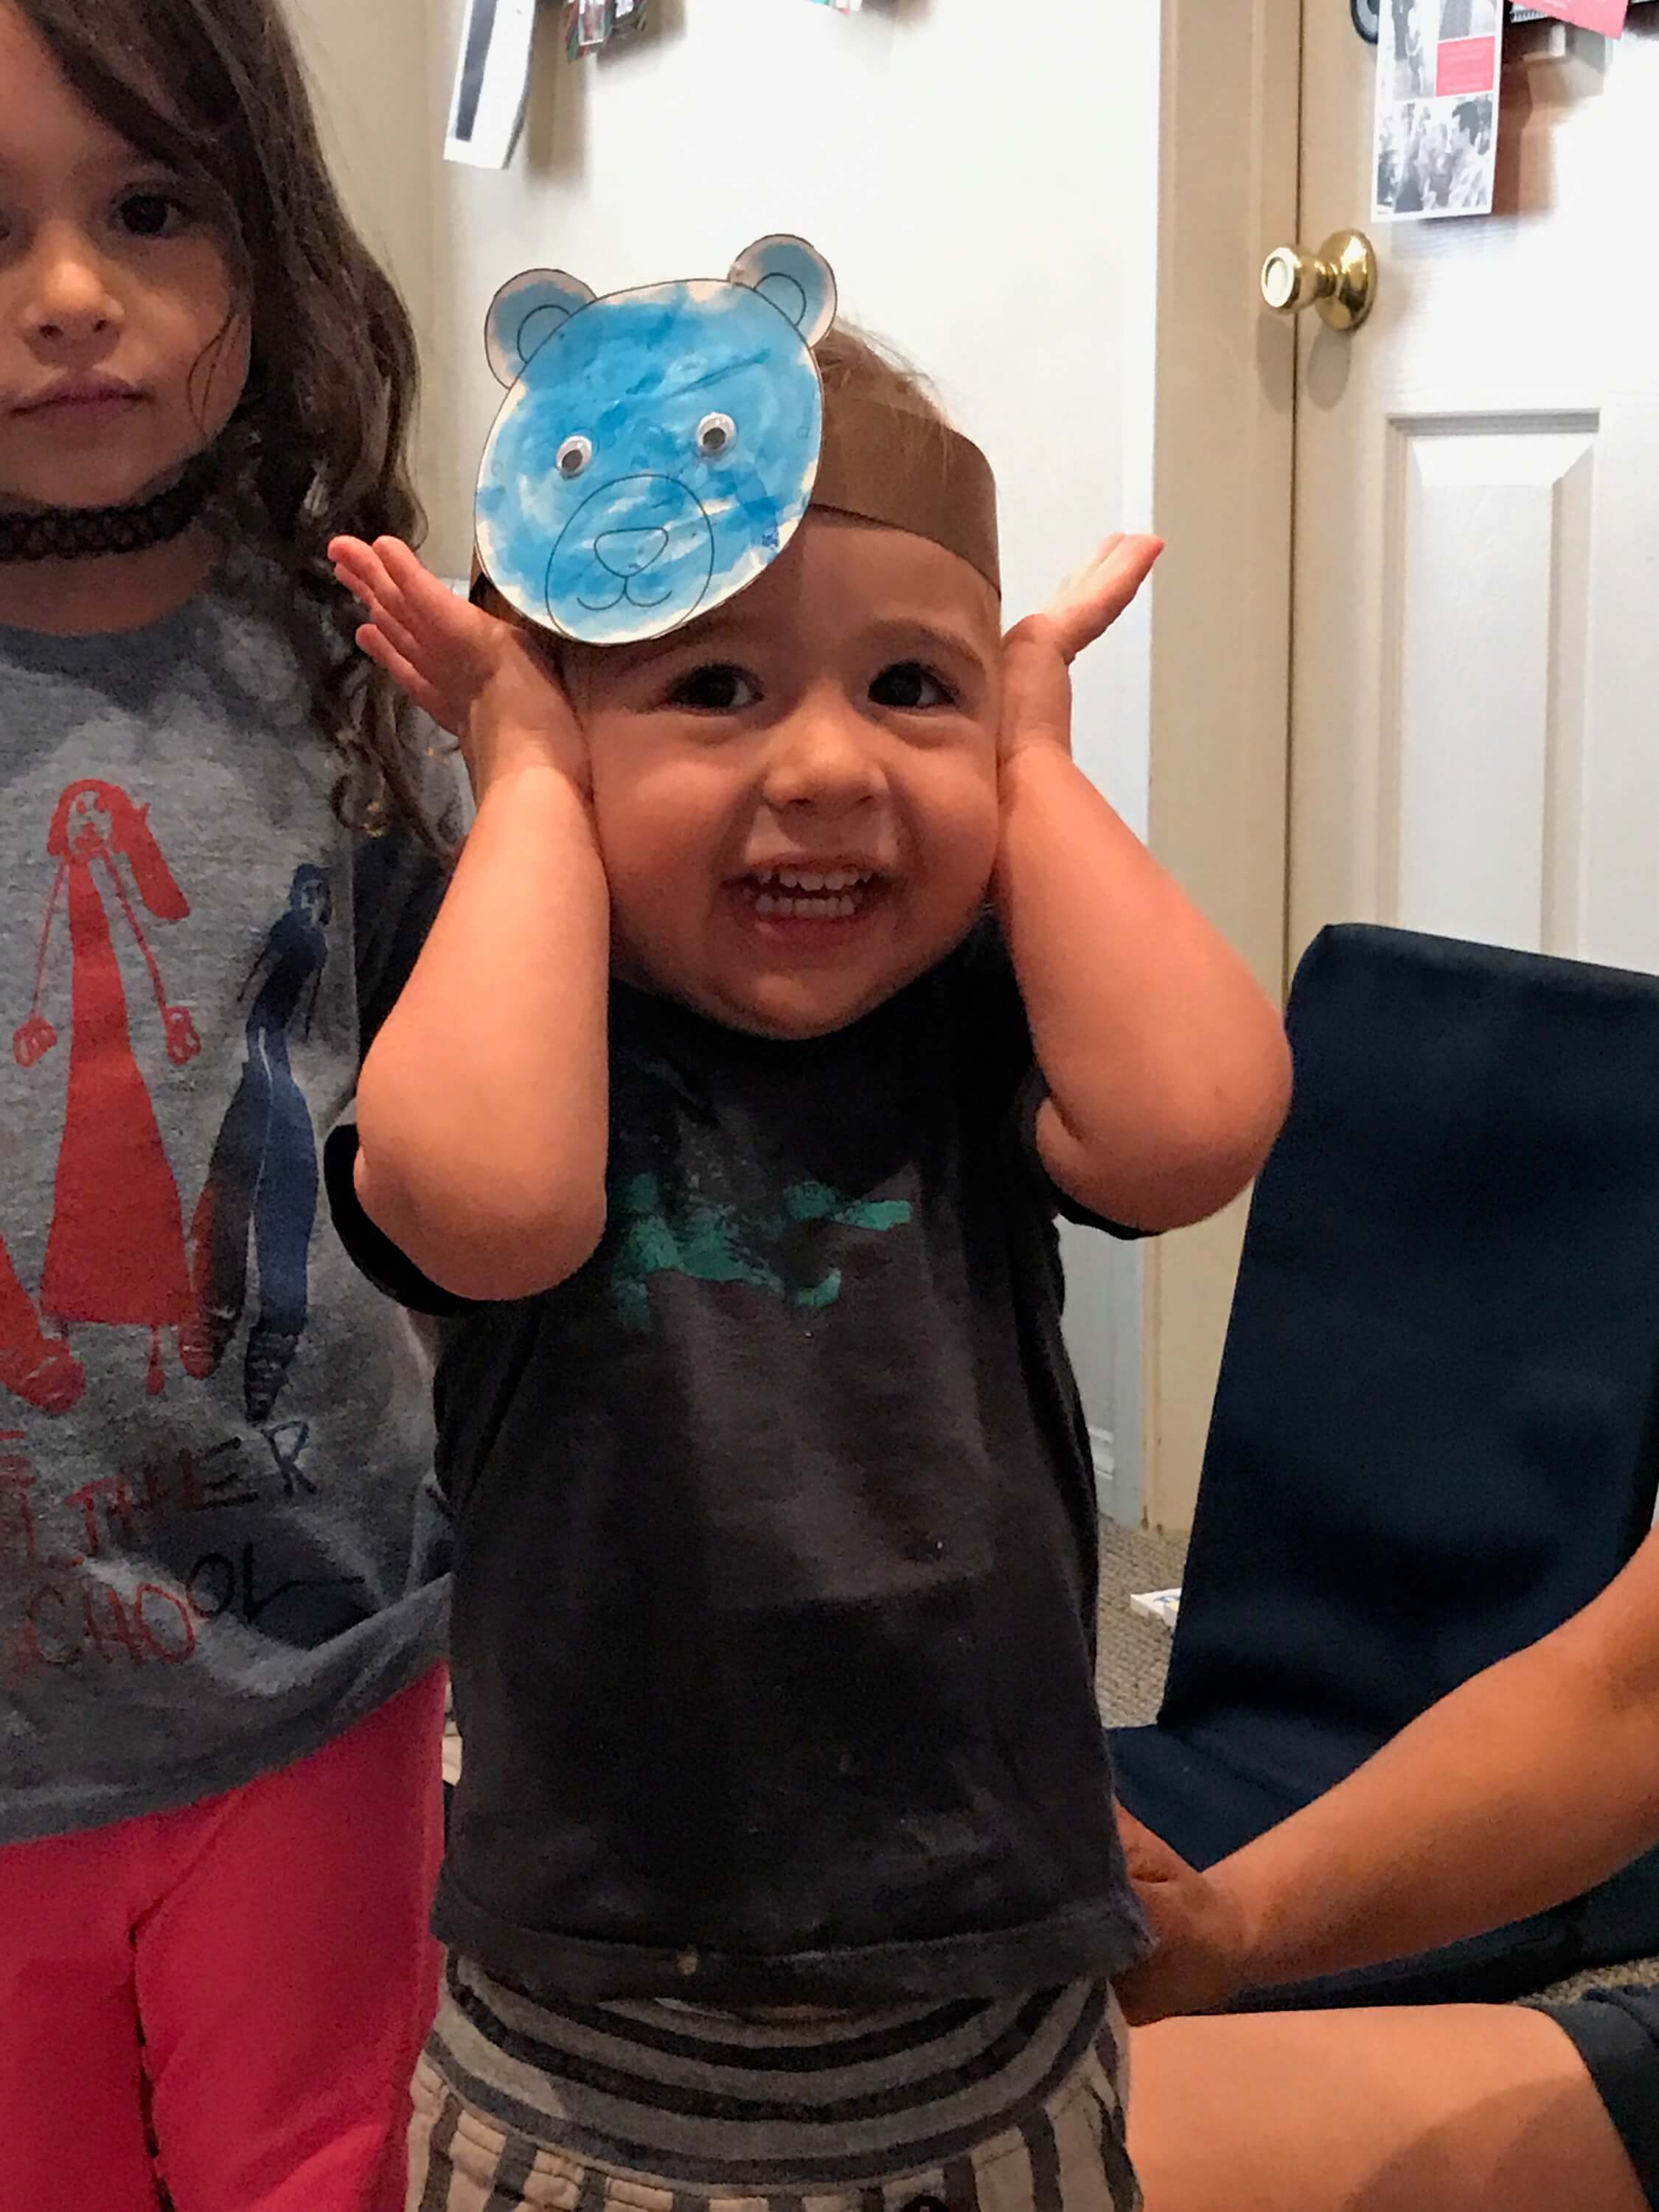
369, 64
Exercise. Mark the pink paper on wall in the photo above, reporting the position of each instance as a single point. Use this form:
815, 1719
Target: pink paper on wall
1606, 16
1465, 66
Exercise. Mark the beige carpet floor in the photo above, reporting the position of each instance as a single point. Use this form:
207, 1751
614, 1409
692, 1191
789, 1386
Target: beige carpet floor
1134, 1654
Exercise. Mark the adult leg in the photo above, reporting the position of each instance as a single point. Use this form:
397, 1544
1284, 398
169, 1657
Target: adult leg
288, 1979
1466, 2108
71, 2113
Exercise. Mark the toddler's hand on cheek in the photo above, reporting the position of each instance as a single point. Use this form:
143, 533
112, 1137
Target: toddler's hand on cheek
478, 678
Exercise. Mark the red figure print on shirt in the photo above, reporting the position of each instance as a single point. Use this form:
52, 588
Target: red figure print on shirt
116, 1252
41, 1369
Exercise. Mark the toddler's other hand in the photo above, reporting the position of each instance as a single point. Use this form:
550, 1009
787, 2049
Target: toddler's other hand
478, 678
1037, 653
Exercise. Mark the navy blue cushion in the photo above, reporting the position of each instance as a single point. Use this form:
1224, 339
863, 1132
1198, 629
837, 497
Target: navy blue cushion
1432, 1439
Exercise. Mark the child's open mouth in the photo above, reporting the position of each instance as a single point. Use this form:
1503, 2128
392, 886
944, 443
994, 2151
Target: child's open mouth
808, 893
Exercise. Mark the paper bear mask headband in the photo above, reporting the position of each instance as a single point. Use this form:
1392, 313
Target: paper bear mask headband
657, 449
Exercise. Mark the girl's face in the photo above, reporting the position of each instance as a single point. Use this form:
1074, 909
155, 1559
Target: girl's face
796, 798
120, 356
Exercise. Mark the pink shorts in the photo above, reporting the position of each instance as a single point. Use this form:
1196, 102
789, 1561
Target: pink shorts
246, 1983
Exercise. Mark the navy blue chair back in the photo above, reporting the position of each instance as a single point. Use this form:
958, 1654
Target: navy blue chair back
1433, 1438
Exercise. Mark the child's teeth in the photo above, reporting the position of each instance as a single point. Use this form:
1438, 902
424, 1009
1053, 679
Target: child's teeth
821, 897
802, 879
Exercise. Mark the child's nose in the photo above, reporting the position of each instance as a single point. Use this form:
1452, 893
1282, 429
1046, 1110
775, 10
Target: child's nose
71, 302
822, 757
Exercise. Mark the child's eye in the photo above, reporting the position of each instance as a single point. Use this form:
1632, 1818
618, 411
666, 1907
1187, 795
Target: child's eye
910, 688
152, 213
719, 688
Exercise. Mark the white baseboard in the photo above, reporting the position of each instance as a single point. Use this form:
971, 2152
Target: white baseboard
1111, 1494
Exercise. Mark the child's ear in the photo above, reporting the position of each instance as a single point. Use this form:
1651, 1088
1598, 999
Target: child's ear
524, 313
796, 280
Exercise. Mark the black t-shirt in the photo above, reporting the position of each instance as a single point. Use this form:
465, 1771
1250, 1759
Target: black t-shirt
773, 1618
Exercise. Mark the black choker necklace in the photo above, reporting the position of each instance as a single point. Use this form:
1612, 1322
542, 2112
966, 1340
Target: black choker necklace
82, 533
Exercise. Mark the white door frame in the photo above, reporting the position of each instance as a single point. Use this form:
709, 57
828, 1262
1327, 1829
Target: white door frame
1220, 395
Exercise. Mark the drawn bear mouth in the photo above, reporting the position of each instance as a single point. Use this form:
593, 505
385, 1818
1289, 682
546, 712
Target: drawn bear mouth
627, 588
642, 542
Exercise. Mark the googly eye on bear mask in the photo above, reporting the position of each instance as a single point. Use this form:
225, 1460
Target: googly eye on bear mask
657, 448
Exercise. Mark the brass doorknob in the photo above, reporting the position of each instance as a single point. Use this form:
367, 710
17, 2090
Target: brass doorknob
1340, 280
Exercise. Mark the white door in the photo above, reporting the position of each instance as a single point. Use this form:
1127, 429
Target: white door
1475, 666
1474, 652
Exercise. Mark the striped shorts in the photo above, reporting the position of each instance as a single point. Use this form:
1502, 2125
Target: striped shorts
508, 2117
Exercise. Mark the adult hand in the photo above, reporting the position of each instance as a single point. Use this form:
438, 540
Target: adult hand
1200, 1959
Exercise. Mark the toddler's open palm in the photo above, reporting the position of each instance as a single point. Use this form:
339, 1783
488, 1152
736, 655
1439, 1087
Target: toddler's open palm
1037, 653
477, 677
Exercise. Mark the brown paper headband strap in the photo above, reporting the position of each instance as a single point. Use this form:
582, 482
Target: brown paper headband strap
909, 472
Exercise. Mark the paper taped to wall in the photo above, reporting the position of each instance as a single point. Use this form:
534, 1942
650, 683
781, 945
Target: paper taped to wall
1437, 81
1606, 16
591, 25
492, 81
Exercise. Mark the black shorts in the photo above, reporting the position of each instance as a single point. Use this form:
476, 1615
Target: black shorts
1616, 2033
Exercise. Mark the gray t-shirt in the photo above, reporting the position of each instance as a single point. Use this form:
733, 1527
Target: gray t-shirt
219, 1541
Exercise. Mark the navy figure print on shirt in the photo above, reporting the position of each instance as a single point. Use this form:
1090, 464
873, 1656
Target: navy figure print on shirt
261, 1189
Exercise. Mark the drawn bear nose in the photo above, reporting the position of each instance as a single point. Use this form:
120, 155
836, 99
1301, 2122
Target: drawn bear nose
626, 552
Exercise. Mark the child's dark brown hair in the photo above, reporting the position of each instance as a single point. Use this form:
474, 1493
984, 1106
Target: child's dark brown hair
214, 90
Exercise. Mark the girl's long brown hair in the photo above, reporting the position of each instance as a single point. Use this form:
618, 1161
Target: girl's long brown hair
214, 90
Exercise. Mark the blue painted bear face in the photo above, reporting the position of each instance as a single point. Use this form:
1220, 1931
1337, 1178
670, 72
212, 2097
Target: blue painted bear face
657, 448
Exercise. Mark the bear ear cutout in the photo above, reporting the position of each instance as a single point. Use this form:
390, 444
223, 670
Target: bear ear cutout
795, 278
527, 312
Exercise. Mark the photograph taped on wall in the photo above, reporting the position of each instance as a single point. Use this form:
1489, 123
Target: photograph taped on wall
492, 81
1437, 75
593, 24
